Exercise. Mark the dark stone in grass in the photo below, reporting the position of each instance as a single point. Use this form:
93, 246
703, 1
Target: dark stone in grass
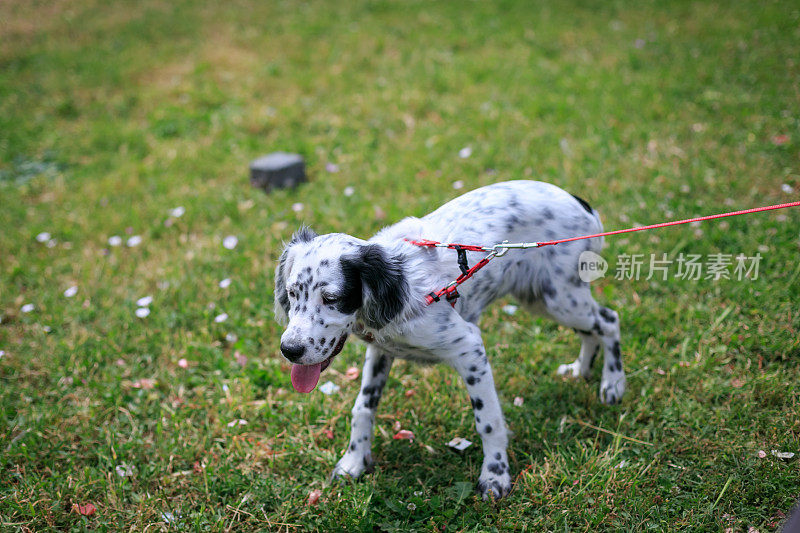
277, 170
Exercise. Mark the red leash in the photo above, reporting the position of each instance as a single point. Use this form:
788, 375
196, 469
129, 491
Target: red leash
450, 292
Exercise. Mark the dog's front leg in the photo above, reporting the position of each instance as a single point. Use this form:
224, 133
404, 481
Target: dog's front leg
473, 366
358, 457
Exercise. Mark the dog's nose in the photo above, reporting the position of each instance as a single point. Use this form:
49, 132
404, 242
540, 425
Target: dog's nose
292, 352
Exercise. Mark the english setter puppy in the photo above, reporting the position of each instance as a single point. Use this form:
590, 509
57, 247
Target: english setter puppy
328, 287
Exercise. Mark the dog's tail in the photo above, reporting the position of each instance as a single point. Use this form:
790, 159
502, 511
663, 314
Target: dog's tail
595, 244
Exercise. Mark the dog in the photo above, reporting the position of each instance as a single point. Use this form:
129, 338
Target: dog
328, 287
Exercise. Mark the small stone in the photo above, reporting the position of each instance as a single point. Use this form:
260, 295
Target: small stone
277, 170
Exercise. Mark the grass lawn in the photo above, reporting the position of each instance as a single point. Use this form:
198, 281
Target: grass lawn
113, 114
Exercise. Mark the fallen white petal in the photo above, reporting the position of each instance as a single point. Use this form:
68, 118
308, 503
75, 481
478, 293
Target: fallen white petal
51, 243
509, 309
297, 207
114, 240
787, 188
225, 283
2, 353
27, 308
349, 191
71, 291
124, 470
782, 455
332, 168
458, 184
465, 152
183, 363
459, 444
239, 422
518, 401
230, 337
329, 387
221, 318
177, 212
144, 301
230, 242
43, 237
134, 241
142, 312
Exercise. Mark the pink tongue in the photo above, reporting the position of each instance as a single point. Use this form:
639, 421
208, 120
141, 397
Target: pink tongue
305, 378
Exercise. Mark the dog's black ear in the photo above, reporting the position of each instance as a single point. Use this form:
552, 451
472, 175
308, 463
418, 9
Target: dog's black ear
376, 285
304, 234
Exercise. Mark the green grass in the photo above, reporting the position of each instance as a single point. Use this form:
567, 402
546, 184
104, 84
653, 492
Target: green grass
113, 113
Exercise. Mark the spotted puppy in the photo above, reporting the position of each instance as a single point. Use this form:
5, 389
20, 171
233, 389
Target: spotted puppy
328, 287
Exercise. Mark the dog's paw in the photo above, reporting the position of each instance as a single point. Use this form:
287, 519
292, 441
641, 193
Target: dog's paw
612, 388
572, 370
493, 486
352, 466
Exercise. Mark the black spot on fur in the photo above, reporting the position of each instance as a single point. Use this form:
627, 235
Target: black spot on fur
353, 446
487, 429
496, 468
498, 456
546, 286
607, 315
477, 404
380, 366
584, 203
471, 380
615, 350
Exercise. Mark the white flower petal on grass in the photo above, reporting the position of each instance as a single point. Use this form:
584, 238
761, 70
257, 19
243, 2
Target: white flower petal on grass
459, 444
142, 312
458, 185
762, 454
510, 309
465, 152
27, 308
124, 470
411, 506
43, 237
349, 191
71, 291
134, 241
225, 283
230, 337
177, 212
2, 353
168, 517
114, 240
144, 301
239, 422
518, 401
183, 363
782, 455
786, 188
328, 388
333, 168
51, 243
221, 318
230, 242
297, 207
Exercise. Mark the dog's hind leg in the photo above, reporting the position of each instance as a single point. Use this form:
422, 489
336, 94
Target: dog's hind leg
573, 306
358, 457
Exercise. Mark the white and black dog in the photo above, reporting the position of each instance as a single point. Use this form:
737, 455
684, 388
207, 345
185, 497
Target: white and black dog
329, 286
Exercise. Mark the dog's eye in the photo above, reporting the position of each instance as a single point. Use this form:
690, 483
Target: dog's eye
329, 299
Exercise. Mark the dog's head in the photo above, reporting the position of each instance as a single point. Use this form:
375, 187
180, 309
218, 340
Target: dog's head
326, 285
